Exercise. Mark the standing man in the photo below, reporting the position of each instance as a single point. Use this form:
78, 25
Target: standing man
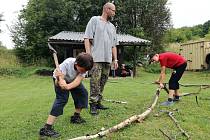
100, 41
178, 64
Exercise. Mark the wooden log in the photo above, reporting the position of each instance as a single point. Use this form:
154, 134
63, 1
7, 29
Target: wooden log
124, 123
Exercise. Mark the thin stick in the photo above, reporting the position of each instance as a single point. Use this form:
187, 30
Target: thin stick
196, 85
113, 101
165, 134
188, 94
202, 98
170, 114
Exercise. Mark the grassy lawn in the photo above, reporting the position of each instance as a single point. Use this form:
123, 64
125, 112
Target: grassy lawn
26, 102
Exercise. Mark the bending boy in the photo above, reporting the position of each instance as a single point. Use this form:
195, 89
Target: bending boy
72, 73
178, 64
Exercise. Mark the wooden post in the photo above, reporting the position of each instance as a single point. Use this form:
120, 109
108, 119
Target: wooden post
134, 62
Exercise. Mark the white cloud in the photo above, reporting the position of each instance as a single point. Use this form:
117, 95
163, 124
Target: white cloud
189, 12
10, 10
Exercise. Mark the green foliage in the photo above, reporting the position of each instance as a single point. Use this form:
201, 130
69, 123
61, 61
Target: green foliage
153, 68
8, 58
179, 35
206, 27
26, 71
12, 72
25, 104
207, 36
185, 34
10, 66
44, 71
41, 19
146, 19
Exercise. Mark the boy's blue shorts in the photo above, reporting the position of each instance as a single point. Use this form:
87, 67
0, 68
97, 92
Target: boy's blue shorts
79, 95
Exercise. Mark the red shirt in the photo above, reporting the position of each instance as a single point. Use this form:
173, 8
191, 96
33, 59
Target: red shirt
171, 60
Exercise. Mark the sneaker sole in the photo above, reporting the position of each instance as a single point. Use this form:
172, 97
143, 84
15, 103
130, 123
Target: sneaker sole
42, 137
103, 108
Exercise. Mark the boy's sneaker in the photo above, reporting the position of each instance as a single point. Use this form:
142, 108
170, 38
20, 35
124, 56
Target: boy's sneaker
167, 103
176, 98
44, 132
94, 109
77, 119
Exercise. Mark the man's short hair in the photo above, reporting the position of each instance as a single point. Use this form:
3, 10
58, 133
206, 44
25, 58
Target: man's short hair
84, 60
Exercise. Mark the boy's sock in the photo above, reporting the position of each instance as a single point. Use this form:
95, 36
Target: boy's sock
76, 114
176, 97
47, 126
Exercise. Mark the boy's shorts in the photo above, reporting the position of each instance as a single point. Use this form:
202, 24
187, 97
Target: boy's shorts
176, 76
79, 95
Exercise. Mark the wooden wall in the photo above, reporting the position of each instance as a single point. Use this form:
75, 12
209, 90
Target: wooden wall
195, 53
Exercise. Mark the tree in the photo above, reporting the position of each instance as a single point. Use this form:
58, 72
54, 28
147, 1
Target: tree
183, 34
41, 19
148, 19
207, 36
145, 19
206, 27
1, 19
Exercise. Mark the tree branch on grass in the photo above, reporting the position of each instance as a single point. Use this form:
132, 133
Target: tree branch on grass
170, 114
125, 123
165, 134
114, 101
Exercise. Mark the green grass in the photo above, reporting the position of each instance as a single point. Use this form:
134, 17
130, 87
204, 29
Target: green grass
26, 101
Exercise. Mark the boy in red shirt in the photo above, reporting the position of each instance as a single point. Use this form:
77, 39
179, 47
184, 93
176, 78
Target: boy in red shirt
178, 64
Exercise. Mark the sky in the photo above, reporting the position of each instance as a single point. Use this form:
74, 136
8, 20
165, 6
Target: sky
189, 12
10, 10
183, 13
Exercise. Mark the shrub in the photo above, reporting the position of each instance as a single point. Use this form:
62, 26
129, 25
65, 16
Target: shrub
44, 71
154, 68
11, 72
8, 58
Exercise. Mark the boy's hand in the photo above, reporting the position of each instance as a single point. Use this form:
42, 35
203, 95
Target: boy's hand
161, 85
157, 82
62, 83
59, 75
115, 64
